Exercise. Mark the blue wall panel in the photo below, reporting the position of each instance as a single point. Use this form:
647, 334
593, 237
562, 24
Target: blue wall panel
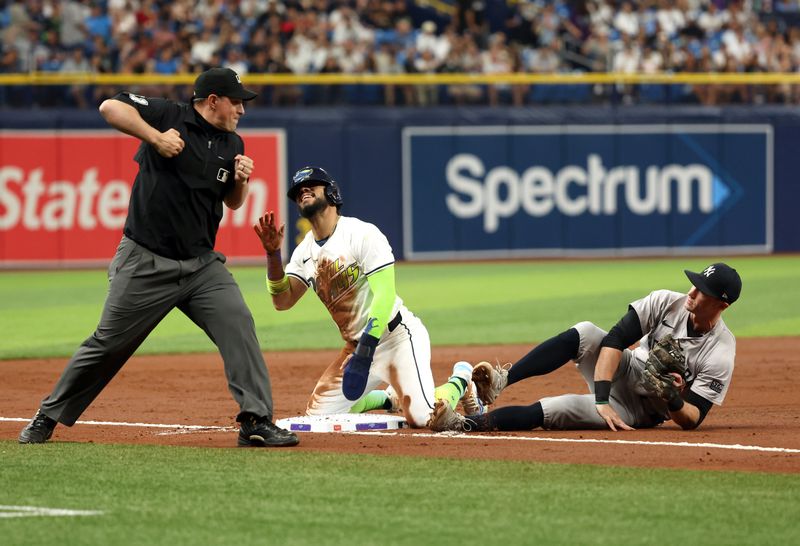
362, 148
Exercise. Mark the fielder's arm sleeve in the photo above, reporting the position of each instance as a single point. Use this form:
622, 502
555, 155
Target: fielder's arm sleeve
383, 297
701, 403
625, 332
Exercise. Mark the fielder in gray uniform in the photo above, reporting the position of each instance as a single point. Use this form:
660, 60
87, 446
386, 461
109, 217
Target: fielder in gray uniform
191, 161
620, 395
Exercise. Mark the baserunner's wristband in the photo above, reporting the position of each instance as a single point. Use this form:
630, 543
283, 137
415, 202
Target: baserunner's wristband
602, 391
278, 287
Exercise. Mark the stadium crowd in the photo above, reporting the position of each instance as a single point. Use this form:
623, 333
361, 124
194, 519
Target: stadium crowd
396, 36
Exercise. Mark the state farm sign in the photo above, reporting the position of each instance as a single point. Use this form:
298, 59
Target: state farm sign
64, 195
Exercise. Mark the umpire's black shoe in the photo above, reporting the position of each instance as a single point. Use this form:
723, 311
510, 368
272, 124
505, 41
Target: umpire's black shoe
39, 430
261, 432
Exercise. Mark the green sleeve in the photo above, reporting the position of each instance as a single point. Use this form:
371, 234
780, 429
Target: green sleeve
383, 295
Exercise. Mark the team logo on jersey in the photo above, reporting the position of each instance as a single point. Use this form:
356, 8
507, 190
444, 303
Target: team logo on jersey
334, 279
138, 99
222, 175
716, 386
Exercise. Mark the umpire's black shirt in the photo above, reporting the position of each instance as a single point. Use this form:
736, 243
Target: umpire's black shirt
176, 202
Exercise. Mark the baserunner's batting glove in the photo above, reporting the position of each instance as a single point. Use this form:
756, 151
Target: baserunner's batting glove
356, 372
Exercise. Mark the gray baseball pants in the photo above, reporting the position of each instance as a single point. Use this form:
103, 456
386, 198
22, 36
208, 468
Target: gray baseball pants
143, 289
628, 398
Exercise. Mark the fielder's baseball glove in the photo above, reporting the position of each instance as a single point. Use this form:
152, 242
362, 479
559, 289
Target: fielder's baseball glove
665, 358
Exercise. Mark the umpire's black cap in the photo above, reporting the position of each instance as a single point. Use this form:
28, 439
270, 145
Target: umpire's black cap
718, 280
222, 82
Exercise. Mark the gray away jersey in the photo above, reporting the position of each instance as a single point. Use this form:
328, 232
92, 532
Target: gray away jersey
709, 358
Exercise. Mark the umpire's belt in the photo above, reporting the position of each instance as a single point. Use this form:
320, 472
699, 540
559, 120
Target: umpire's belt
395, 322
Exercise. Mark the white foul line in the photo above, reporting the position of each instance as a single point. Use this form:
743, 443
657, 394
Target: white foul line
186, 429
181, 429
32, 511
447, 435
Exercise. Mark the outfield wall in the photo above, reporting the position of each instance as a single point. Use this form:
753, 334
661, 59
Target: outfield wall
444, 182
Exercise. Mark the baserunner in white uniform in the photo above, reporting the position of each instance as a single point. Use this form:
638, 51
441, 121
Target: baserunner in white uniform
619, 397
350, 265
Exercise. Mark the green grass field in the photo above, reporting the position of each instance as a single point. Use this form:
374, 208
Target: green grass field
50, 313
157, 495
162, 495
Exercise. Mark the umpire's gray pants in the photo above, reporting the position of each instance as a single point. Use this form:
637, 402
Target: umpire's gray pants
629, 400
143, 288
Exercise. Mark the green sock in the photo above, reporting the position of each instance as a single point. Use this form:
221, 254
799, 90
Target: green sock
452, 391
373, 400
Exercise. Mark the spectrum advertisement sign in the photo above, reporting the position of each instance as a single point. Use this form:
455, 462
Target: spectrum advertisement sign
474, 192
64, 195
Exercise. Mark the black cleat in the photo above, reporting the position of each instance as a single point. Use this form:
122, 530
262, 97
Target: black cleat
39, 430
261, 432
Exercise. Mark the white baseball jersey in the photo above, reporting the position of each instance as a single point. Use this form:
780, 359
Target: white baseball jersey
709, 358
337, 271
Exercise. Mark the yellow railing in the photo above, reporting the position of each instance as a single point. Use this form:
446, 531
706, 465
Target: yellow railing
50, 78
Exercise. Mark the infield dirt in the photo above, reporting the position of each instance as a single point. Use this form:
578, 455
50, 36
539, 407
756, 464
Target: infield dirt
761, 409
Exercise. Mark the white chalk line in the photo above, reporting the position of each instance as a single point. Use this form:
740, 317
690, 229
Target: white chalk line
448, 435
38, 511
174, 429
188, 429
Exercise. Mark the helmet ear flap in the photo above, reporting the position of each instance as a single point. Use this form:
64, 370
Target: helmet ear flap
332, 194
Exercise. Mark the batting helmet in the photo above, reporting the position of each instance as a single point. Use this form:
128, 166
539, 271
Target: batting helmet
313, 176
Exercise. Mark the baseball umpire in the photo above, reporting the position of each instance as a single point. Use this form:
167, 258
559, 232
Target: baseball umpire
681, 368
191, 161
350, 265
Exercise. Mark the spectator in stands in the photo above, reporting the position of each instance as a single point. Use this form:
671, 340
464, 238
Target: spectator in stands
546, 25
601, 15
471, 18
76, 62
597, 51
426, 63
626, 61
593, 34
546, 59
497, 60
9, 60
98, 23
101, 60
626, 21
427, 39
73, 15
671, 17
385, 62
464, 57
204, 46
234, 59
652, 62
711, 20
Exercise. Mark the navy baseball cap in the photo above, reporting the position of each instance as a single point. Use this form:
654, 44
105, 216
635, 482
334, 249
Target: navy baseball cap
222, 82
718, 280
